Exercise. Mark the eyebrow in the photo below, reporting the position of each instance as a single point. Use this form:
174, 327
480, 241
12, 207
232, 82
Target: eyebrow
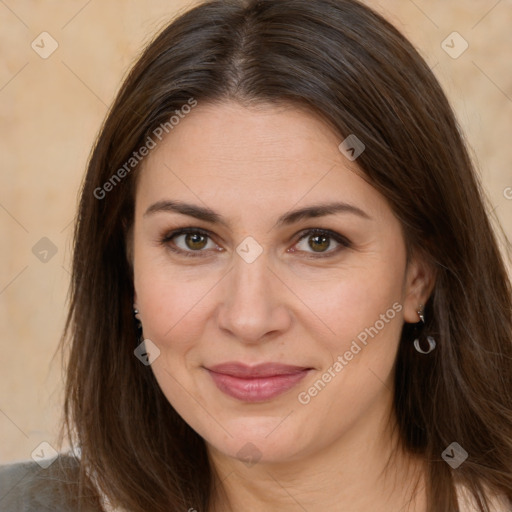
210, 216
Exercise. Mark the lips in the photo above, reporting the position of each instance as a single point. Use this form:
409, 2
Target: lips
256, 383
243, 371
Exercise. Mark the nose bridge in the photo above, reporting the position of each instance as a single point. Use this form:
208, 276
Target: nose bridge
250, 281
252, 304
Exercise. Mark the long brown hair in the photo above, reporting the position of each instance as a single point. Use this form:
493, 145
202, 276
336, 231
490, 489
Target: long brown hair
363, 77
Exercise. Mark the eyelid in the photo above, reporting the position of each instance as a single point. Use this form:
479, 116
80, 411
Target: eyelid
344, 242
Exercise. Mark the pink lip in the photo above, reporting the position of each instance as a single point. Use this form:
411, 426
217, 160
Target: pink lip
256, 383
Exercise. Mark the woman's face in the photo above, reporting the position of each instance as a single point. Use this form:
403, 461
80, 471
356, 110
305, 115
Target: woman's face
251, 283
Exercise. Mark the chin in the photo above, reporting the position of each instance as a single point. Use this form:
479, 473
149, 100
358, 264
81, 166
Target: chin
252, 441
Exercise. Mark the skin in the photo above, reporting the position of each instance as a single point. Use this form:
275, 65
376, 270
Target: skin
252, 165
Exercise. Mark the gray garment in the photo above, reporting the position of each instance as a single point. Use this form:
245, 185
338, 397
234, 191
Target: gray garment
27, 487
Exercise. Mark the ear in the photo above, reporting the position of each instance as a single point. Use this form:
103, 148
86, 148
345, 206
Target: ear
418, 285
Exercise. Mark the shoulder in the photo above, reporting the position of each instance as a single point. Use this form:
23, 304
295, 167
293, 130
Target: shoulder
27, 487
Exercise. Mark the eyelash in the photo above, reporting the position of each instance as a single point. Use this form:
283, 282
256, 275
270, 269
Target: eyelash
344, 242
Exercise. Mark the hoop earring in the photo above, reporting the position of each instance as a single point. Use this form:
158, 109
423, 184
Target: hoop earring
430, 340
431, 345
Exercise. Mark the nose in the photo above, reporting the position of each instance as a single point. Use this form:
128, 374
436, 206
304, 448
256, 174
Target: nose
254, 304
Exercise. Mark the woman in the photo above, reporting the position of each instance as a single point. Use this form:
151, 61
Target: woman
286, 291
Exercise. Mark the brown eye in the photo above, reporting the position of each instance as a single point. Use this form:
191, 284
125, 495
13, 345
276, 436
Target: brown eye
319, 241
188, 242
195, 241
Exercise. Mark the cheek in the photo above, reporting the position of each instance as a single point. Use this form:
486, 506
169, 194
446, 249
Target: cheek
170, 305
363, 311
175, 301
356, 299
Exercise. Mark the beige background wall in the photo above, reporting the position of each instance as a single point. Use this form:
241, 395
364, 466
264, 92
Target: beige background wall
52, 108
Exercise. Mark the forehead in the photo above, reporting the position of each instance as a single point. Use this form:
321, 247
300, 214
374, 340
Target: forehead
230, 155
229, 132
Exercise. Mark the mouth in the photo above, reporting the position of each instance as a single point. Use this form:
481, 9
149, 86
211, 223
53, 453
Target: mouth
256, 383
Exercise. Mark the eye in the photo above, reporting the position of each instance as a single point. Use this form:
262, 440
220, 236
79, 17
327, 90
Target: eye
320, 240
191, 242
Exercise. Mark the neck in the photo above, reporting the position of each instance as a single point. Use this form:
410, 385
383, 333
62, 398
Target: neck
364, 470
